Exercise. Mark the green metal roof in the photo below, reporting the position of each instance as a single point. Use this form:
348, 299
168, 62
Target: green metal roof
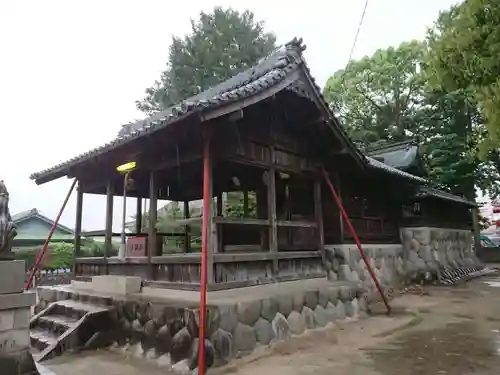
399, 155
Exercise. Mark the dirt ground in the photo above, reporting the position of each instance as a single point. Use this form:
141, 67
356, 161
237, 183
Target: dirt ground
450, 330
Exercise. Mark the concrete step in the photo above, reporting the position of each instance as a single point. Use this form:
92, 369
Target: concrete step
41, 339
56, 324
56, 329
75, 309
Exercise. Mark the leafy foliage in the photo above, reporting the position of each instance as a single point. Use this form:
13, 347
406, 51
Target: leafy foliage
465, 45
377, 97
389, 97
221, 44
235, 204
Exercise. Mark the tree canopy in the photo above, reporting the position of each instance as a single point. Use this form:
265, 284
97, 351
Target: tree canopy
465, 45
389, 97
377, 97
221, 44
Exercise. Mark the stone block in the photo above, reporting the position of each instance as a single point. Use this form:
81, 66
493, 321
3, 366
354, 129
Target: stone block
18, 300
20, 363
22, 317
263, 331
296, 323
281, 328
6, 320
12, 276
244, 338
14, 340
115, 284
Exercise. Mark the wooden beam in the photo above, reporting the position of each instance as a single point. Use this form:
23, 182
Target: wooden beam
78, 224
318, 213
138, 215
108, 230
241, 221
153, 207
271, 211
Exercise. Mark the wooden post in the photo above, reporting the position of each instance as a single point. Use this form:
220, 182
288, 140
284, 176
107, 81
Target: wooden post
187, 214
108, 230
341, 221
153, 202
245, 203
212, 244
271, 212
138, 216
476, 230
78, 225
219, 204
318, 213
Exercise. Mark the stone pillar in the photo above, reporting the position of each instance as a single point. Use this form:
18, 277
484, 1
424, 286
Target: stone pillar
15, 314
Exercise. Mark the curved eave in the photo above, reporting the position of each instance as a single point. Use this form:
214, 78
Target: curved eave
375, 164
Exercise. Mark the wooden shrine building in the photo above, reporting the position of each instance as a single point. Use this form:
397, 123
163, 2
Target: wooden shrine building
268, 133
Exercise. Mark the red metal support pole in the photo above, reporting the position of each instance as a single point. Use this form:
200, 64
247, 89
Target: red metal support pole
204, 251
42, 252
356, 239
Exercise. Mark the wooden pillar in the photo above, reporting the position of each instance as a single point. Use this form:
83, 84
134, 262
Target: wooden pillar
78, 225
138, 216
219, 204
212, 243
476, 230
271, 211
153, 208
341, 219
187, 214
245, 203
108, 230
318, 213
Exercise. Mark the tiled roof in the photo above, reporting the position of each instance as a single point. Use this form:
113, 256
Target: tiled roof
374, 163
425, 192
34, 213
267, 73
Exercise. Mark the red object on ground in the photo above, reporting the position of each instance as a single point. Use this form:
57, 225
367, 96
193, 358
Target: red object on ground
204, 253
356, 239
41, 253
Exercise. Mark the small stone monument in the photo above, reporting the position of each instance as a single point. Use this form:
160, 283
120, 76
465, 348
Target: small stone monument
15, 304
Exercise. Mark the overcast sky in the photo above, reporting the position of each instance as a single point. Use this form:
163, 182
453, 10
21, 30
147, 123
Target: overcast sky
70, 71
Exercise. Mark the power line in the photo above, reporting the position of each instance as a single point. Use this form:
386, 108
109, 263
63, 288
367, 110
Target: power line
357, 31
353, 46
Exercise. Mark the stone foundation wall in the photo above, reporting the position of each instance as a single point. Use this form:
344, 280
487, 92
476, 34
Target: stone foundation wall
425, 252
344, 262
168, 334
433, 250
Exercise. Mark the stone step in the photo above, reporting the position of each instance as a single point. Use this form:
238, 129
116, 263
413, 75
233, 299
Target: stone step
75, 309
41, 339
57, 324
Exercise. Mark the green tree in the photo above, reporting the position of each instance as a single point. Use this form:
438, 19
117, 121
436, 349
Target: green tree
378, 96
387, 97
221, 44
464, 48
